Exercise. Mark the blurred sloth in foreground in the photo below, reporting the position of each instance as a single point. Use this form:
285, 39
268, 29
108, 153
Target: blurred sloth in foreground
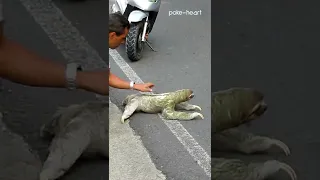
76, 130
231, 108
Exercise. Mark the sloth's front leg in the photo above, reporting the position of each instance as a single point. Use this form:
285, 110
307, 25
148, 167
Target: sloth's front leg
187, 106
129, 110
235, 169
170, 114
65, 149
248, 143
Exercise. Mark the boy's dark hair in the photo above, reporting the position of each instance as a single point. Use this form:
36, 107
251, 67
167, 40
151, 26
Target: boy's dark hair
118, 23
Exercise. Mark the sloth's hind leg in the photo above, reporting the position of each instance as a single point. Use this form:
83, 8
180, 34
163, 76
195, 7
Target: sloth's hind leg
187, 106
234, 169
64, 150
171, 114
248, 143
129, 110
269, 168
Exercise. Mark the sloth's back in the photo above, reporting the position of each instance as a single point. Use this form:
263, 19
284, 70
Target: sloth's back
152, 104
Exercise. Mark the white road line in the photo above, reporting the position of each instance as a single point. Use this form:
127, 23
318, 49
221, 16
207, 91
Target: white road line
75, 48
194, 149
64, 35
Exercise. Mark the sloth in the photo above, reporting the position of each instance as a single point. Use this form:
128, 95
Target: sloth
23, 162
76, 130
164, 103
230, 109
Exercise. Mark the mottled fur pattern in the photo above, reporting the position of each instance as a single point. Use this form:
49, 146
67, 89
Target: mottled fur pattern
76, 130
18, 161
230, 109
165, 103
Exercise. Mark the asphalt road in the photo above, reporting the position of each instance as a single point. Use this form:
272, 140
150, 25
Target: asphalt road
267, 45
273, 46
182, 61
27, 108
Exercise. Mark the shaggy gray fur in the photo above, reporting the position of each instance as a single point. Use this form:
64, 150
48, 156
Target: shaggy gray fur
165, 103
17, 160
230, 109
77, 130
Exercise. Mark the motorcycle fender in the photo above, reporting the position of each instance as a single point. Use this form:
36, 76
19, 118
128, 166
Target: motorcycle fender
119, 6
115, 8
136, 16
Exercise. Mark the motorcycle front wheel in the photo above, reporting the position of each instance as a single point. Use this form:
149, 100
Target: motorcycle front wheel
134, 44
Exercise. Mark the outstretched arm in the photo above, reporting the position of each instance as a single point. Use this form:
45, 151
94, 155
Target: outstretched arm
23, 66
116, 82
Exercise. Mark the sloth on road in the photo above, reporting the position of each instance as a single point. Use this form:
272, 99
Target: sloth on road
76, 130
18, 161
164, 103
230, 109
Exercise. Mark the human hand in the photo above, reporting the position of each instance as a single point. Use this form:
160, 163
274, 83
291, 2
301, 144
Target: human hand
146, 87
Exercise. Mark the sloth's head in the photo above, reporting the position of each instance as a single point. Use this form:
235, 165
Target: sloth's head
258, 110
255, 103
237, 106
184, 94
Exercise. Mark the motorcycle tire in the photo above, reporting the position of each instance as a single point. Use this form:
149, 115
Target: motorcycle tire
134, 52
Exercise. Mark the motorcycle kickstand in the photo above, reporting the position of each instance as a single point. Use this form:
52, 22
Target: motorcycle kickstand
146, 41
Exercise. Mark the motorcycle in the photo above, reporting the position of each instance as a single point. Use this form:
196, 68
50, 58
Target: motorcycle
142, 15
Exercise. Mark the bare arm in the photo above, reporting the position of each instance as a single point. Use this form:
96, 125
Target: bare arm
26, 67
116, 82
23, 66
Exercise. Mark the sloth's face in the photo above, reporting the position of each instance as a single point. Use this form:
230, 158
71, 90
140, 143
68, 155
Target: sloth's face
191, 95
258, 110
186, 94
252, 104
